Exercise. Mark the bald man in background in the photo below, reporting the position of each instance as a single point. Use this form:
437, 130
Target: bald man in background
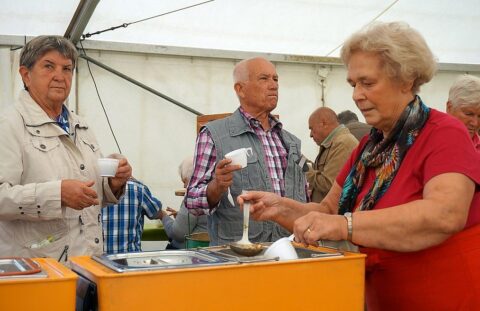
336, 144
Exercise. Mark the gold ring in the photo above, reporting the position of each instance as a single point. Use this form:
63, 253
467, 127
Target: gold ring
308, 230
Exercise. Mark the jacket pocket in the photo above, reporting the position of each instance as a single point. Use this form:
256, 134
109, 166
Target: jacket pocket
93, 146
45, 159
42, 238
44, 144
252, 159
251, 177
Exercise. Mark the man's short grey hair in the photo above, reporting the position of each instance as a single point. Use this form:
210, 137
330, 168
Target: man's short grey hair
465, 91
185, 170
241, 72
347, 116
39, 46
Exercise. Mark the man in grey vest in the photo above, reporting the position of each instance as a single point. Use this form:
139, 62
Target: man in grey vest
274, 165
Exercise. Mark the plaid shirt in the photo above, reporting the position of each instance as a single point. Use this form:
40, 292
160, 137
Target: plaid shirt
123, 222
275, 155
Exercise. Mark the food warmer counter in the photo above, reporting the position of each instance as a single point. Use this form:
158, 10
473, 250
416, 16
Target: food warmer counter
36, 284
214, 278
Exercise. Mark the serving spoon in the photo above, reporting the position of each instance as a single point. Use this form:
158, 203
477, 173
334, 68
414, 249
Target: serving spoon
244, 246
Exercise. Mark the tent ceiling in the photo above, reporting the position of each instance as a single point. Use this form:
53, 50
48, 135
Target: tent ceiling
293, 27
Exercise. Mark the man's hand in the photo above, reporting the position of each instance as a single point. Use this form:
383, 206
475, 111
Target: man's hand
222, 179
161, 213
78, 194
172, 212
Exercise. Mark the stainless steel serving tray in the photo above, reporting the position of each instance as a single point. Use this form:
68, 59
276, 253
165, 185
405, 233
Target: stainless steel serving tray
224, 251
19, 268
156, 260
302, 253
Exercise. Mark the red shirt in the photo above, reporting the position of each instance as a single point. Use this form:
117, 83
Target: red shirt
443, 277
443, 146
476, 142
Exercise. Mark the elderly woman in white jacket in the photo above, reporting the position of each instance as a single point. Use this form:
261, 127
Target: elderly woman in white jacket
51, 191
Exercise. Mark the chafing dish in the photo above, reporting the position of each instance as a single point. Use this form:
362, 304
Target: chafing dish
17, 267
302, 253
165, 259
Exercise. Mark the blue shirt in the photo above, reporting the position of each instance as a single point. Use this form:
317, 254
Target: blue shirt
62, 120
122, 223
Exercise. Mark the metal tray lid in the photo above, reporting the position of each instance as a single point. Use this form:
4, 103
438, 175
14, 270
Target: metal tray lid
156, 260
15, 266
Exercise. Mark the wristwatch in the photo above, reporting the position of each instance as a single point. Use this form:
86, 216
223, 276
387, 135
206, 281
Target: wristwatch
348, 217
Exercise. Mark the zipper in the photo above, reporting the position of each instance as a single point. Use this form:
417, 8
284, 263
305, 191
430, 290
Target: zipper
77, 126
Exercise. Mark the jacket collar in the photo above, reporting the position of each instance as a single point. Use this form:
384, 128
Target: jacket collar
341, 129
37, 121
239, 123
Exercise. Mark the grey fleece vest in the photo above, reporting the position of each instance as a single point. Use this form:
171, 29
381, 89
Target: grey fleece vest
225, 225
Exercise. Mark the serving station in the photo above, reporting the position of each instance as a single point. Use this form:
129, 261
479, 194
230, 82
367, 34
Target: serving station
215, 278
36, 284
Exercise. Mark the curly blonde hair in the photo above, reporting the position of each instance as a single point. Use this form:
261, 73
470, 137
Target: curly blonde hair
405, 54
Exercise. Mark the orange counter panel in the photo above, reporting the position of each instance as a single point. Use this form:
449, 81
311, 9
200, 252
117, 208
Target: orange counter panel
331, 283
55, 292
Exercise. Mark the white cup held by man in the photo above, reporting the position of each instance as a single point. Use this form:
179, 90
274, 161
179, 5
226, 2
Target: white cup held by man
239, 156
283, 249
108, 167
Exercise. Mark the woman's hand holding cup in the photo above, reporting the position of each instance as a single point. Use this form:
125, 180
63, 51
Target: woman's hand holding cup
123, 173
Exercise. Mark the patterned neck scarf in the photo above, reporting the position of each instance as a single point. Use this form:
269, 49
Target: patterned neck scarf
385, 155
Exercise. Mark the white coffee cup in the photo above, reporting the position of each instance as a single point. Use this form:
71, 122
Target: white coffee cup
239, 156
283, 249
107, 166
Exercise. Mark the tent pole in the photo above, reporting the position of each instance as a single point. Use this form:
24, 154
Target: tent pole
80, 20
139, 84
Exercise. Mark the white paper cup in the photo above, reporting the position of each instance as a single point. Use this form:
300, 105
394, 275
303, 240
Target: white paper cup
283, 249
239, 156
107, 166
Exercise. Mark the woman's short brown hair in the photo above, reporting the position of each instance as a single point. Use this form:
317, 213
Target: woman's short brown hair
39, 46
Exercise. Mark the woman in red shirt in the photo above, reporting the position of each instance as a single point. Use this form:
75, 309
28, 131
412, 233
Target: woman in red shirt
409, 194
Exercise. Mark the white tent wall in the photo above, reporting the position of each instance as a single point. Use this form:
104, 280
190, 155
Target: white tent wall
7, 76
156, 135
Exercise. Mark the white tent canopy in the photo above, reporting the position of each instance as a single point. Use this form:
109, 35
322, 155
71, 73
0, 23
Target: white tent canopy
189, 55
300, 27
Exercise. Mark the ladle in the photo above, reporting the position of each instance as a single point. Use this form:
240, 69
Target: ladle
244, 246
